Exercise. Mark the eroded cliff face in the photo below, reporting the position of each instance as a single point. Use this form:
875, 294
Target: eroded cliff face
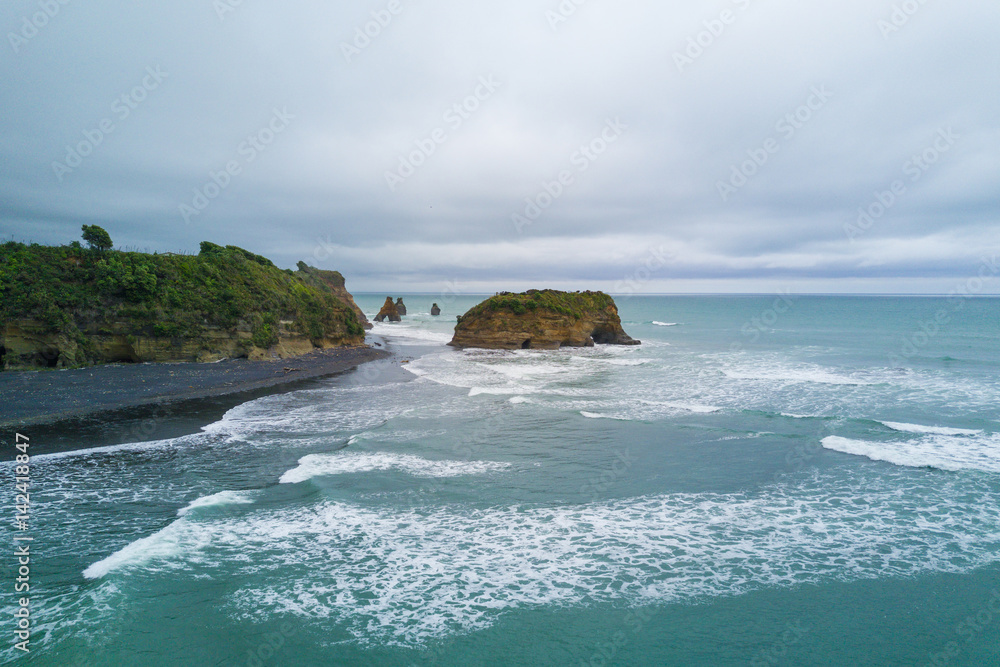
542, 320
26, 344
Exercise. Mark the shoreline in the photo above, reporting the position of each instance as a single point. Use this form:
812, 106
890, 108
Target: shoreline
46, 398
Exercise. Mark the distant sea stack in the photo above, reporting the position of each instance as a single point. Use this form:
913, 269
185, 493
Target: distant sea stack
400, 306
435, 311
541, 320
389, 312
70, 306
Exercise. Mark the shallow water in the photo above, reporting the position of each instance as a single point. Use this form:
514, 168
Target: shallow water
800, 481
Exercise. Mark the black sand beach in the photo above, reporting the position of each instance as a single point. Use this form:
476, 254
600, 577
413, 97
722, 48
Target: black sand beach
45, 397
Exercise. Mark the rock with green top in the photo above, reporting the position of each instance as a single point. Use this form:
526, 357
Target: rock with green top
541, 320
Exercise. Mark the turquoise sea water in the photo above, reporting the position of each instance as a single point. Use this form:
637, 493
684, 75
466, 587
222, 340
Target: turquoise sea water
765, 481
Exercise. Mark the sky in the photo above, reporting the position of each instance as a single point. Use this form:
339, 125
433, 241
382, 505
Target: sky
467, 146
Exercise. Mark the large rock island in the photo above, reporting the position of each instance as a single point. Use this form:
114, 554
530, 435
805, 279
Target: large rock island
541, 320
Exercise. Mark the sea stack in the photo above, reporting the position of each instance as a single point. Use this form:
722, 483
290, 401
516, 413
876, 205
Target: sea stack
400, 306
389, 311
541, 320
435, 311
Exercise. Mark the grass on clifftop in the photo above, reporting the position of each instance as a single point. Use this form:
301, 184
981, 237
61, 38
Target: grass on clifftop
571, 304
70, 288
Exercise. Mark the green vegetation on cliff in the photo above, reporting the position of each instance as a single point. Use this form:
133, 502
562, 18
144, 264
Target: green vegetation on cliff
541, 320
571, 304
75, 292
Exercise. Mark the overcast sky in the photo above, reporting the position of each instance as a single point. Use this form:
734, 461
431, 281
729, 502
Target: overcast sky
721, 146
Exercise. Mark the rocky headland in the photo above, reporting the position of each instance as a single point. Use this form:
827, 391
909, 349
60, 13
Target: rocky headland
70, 306
542, 320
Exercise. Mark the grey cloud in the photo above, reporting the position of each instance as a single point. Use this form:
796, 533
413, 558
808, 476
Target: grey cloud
322, 180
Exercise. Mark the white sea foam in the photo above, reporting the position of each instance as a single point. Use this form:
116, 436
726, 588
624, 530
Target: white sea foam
409, 332
935, 430
944, 452
343, 462
219, 499
597, 415
405, 576
158, 550
810, 375
500, 391
665, 324
692, 407
151, 446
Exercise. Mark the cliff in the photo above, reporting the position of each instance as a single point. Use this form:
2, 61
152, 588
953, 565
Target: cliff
545, 320
334, 281
68, 306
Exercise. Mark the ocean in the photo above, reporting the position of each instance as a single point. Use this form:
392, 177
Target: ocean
766, 480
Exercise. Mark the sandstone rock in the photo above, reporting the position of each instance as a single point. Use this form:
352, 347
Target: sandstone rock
400, 306
542, 319
435, 311
29, 344
389, 311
